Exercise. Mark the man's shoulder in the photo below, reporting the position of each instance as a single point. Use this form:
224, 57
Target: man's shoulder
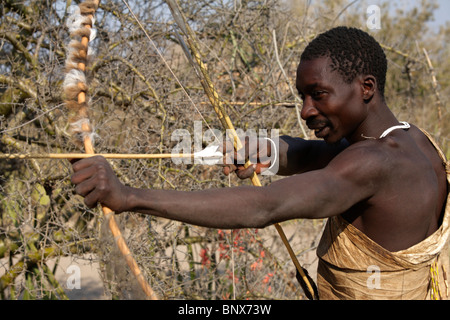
370, 155
387, 157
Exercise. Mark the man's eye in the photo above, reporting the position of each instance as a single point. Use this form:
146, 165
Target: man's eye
318, 94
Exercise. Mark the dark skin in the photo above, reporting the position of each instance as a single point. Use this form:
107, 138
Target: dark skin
392, 189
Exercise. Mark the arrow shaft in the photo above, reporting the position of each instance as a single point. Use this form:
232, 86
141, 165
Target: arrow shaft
109, 156
105, 155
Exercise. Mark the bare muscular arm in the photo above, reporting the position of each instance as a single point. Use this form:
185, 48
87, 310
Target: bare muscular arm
298, 155
295, 155
315, 194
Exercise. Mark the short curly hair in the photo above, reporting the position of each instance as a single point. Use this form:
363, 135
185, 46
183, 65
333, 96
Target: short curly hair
352, 52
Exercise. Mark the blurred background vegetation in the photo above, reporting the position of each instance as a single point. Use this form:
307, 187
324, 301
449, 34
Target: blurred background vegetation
252, 49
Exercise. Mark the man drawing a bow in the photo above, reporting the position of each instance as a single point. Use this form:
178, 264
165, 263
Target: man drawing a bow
382, 183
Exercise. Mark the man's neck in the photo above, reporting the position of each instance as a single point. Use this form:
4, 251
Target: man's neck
379, 118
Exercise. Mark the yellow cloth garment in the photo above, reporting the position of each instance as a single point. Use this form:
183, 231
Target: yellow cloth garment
352, 266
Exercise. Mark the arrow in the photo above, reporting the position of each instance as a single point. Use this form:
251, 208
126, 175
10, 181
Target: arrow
210, 155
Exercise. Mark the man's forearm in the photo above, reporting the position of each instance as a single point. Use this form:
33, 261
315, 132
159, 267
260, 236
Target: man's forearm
228, 208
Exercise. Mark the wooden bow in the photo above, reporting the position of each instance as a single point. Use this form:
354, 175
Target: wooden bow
75, 87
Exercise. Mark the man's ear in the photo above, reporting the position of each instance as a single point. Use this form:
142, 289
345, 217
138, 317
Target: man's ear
368, 87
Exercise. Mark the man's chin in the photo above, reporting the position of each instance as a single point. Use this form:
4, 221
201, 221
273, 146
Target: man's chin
329, 136
332, 140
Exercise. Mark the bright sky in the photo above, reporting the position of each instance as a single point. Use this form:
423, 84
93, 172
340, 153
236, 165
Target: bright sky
442, 15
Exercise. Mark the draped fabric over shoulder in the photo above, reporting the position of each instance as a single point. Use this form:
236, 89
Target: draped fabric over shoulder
352, 266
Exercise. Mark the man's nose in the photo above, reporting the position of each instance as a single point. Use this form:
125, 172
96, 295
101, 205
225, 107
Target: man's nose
308, 109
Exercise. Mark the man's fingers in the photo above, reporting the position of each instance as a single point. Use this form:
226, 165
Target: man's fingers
261, 166
72, 161
91, 199
253, 149
82, 173
80, 164
226, 170
245, 173
85, 187
233, 156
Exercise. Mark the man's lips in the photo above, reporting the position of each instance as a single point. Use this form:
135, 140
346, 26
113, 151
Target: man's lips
322, 133
320, 127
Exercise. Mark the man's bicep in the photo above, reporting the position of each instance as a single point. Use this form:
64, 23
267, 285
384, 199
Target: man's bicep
353, 176
323, 193
299, 155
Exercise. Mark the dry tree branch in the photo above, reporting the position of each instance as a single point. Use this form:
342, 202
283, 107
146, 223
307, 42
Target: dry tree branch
434, 84
297, 101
